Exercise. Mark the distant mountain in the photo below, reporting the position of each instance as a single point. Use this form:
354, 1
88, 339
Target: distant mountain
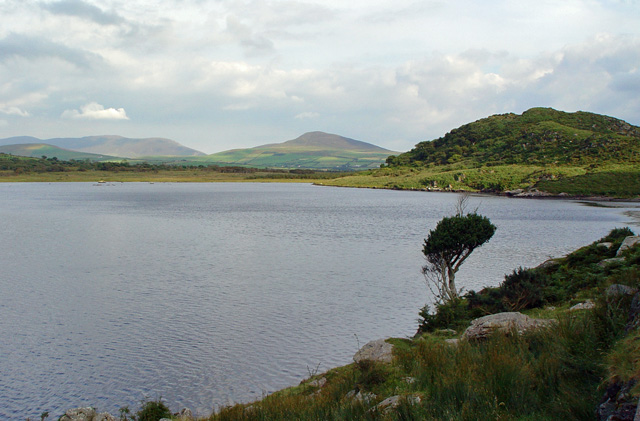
113, 145
38, 150
313, 150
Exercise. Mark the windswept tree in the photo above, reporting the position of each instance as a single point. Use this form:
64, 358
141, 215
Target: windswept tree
449, 245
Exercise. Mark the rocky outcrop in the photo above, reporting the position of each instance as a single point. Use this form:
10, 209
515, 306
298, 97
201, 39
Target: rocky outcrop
618, 403
502, 322
86, 414
627, 244
379, 350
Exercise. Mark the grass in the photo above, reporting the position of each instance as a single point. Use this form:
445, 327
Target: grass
621, 181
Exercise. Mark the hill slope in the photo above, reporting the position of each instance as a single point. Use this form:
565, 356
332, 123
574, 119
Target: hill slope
538, 136
580, 154
113, 145
37, 150
313, 150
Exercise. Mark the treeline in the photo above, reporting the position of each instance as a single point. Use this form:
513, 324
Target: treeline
12, 164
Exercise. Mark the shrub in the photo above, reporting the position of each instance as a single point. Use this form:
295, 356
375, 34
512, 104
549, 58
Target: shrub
153, 411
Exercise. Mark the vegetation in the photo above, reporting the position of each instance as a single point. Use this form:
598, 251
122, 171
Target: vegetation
449, 245
575, 153
15, 168
546, 374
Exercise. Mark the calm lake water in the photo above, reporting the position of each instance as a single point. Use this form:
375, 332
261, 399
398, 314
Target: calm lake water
208, 294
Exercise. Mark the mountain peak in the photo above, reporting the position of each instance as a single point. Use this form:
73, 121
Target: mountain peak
321, 141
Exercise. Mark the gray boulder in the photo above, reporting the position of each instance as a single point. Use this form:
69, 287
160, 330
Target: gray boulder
482, 327
379, 350
628, 243
587, 305
607, 262
391, 403
86, 414
618, 290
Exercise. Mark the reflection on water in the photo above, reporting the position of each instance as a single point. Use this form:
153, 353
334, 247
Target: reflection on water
206, 294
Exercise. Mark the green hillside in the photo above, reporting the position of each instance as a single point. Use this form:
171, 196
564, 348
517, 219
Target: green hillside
37, 150
542, 150
314, 150
113, 146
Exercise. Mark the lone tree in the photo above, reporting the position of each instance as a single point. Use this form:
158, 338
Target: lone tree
449, 245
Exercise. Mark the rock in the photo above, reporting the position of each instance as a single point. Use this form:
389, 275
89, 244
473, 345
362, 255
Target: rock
86, 414
607, 262
360, 397
379, 350
318, 382
605, 245
587, 305
393, 402
185, 414
627, 244
79, 414
617, 403
618, 290
453, 341
633, 320
548, 264
502, 322
513, 192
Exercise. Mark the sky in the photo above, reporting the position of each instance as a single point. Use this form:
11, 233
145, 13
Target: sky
215, 75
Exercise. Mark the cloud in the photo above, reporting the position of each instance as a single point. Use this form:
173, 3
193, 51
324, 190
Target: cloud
81, 9
95, 111
30, 47
253, 44
12, 110
306, 115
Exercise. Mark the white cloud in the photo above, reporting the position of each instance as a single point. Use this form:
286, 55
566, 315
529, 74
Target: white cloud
96, 111
307, 114
12, 110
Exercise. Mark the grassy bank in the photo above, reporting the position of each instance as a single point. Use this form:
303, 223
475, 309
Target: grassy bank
621, 181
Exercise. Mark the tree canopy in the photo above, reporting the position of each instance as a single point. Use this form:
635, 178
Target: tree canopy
449, 245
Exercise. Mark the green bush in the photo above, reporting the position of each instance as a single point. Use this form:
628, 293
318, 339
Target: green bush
153, 411
451, 315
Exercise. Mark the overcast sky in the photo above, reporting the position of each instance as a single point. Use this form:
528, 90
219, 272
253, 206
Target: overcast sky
217, 74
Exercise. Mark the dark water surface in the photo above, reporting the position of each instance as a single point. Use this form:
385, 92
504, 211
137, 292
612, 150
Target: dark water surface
207, 294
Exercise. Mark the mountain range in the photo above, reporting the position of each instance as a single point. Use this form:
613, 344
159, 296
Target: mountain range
111, 146
313, 150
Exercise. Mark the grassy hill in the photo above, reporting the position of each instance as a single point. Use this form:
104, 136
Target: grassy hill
543, 149
314, 150
37, 150
113, 145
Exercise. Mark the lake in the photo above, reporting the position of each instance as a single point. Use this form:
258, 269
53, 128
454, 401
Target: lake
209, 294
